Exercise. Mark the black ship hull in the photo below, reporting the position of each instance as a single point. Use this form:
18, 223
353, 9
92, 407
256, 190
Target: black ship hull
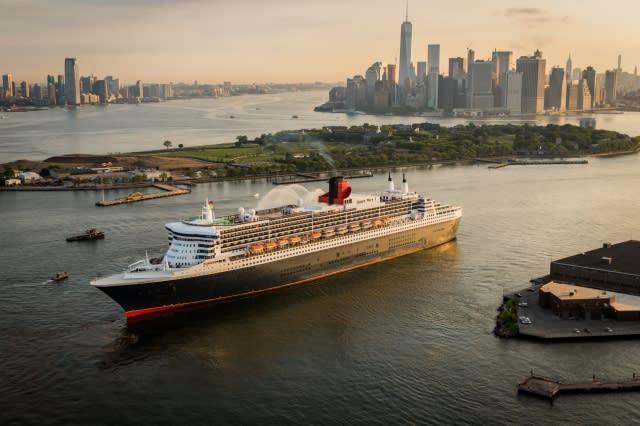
147, 298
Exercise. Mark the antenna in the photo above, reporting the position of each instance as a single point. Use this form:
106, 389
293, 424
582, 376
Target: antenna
406, 16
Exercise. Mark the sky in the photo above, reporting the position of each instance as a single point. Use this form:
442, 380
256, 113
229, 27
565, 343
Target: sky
247, 41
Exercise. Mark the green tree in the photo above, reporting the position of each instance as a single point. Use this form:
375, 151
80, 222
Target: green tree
167, 144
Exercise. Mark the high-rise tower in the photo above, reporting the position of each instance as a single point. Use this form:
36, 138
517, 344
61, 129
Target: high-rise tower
533, 81
405, 51
568, 75
72, 81
7, 85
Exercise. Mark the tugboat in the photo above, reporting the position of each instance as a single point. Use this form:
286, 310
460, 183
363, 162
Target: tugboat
89, 234
60, 276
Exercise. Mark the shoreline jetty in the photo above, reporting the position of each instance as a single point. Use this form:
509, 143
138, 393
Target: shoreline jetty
168, 191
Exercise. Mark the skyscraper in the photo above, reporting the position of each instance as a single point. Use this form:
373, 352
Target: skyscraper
480, 91
471, 58
72, 81
433, 58
557, 90
456, 68
139, 89
7, 85
421, 73
533, 81
569, 69
502, 63
433, 69
405, 52
512, 92
372, 75
590, 75
610, 86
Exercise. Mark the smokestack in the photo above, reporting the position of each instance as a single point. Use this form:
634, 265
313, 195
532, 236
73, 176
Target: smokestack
390, 187
405, 185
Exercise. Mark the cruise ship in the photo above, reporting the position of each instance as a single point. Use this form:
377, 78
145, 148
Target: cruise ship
212, 259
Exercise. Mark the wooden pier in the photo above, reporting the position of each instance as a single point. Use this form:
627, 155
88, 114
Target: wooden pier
303, 178
547, 387
535, 163
167, 191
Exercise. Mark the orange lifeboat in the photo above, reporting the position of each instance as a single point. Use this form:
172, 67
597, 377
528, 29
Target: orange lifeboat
315, 235
256, 248
377, 222
294, 240
341, 230
386, 220
354, 227
270, 245
329, 232
283, 243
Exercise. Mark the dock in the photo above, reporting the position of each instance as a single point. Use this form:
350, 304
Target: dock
547, 387
303, 178
535, 163
167, 191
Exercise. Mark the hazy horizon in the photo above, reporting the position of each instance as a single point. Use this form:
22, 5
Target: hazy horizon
277, 41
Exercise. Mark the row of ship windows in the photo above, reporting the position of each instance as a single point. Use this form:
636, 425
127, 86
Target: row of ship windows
317, 221
240, 241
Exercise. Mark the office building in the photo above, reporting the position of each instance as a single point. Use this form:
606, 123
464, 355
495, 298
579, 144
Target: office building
51, 92
372, 75
25, 90
533, 82
433, 69
502, 63
480, 89
447, 91
8, 86
589, 74
139, 89
72, 81
456, 68
405, 53
572, 95
569, 69
584, 95
433, 58
471, 58
610, 86
557, 99
391, 72
421, 77
512, 92
356, 93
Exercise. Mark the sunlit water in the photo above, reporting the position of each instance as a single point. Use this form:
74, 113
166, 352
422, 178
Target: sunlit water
125, 128
407, 341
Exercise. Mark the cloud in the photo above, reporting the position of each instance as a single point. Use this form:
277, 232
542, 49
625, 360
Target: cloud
532, 15
523, 11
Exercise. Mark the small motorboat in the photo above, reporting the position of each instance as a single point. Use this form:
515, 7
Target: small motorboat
60, 276
89, 234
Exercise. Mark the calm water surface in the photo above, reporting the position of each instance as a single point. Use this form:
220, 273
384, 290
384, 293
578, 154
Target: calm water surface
125, 128
407, 341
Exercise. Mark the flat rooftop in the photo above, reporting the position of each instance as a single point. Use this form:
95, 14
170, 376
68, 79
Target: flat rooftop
567, 292
625, 257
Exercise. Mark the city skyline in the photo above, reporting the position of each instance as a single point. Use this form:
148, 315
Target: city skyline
201, 40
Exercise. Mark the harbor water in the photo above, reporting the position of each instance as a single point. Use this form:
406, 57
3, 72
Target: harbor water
405, 341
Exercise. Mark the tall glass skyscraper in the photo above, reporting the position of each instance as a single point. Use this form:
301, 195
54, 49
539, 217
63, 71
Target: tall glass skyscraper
72, 81
405, 53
